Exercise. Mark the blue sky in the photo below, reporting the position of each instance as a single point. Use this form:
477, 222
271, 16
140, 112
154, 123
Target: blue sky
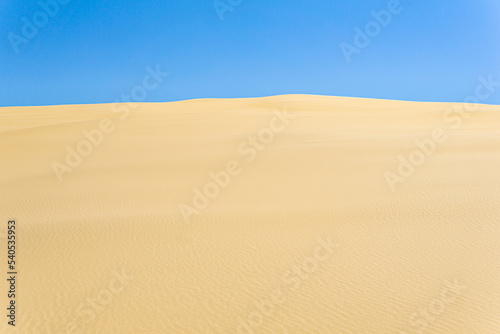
95, 51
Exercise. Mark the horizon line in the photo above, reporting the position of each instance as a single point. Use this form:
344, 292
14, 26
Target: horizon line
240, 98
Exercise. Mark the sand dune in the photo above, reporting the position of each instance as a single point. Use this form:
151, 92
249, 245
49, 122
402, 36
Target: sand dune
285, 214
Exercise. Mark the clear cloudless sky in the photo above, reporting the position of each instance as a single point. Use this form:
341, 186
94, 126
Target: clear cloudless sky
93, 51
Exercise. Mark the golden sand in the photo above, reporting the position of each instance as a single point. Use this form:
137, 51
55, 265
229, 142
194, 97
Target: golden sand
285, 214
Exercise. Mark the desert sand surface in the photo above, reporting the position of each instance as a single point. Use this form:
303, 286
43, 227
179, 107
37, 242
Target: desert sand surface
302, 231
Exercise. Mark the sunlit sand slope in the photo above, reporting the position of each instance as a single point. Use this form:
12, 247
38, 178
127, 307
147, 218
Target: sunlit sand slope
286, 214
